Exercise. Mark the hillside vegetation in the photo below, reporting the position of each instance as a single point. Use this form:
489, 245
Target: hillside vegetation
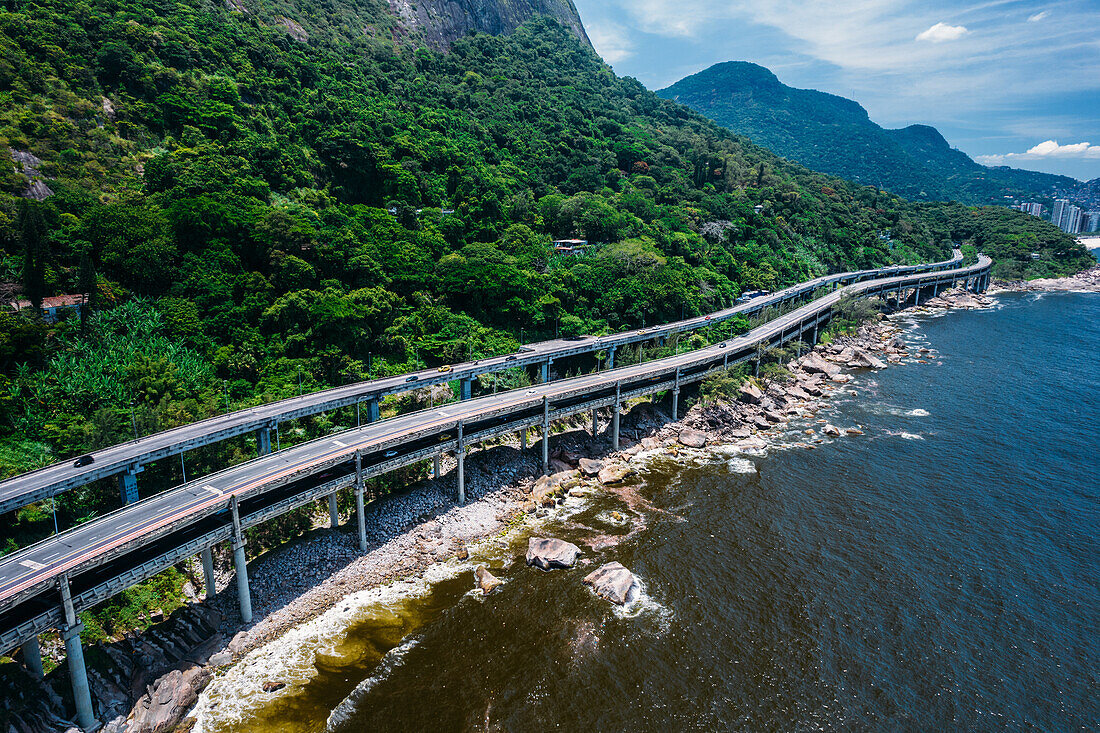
255, 201
834, 134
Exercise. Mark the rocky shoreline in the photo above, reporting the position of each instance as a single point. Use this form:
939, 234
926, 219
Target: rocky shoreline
1087, 281
411, 532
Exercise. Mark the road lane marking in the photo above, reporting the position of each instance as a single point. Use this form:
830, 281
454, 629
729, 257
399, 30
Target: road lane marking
342, 445
32, 564
208, 487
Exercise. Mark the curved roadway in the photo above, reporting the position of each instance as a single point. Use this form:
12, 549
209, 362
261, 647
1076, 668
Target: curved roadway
34, 568
36, 485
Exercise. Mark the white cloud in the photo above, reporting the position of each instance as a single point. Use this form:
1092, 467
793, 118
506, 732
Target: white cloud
1037, 17
611, 40
1045, 151
941, 32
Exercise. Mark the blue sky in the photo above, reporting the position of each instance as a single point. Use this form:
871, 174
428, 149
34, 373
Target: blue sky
1009, 82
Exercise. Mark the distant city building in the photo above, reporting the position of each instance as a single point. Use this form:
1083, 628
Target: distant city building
1094, 221
53, 306
1031, 207
1066, 216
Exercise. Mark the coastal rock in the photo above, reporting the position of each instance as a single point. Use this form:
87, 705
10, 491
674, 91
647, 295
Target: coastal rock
547, 553
548, 488
220, 659
814, 364
168, 700
853, 431
842, 378
692, 438
614, 474
273, 685
592, 467
612, 582
798, 393
750, 393
864, 359
486, 581
772, 416
831, 430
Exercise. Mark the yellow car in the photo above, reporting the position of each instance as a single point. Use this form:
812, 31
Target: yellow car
444, 369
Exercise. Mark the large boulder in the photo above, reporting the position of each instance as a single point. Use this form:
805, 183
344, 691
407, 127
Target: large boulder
814, 364
751, 393
612, 582
168, 700
614, 473
591, 467
832, 430
548, 488
865, 359
798, 393
486, 581
547, 553
692, 438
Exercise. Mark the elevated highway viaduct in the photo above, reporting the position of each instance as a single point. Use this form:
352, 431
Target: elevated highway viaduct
46, 585
126, 460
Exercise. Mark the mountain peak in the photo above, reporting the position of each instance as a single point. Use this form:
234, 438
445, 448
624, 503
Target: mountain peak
836, 135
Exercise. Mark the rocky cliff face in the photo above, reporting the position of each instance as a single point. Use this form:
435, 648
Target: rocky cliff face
441, 22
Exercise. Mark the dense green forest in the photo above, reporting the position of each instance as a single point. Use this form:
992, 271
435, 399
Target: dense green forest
835, 135
250, 212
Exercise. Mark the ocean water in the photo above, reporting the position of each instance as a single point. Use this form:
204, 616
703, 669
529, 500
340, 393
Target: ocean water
939, 572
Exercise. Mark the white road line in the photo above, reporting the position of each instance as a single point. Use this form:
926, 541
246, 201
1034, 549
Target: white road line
342, 445
32, 564
212, 489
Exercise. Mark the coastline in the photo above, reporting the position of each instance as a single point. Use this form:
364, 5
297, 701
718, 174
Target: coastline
313, 588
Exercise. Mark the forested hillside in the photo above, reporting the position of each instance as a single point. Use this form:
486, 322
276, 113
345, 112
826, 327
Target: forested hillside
834, 134
257, 194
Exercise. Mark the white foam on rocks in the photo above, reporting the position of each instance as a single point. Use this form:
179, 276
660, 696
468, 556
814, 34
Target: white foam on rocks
229, 700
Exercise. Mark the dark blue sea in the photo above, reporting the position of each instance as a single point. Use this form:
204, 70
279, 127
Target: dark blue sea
940, 572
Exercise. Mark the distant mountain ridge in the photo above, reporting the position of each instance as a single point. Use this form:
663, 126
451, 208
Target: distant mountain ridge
836, 135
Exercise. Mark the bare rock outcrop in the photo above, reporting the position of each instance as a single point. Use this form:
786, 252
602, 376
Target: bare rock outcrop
486, 581
168, 700
547, 553
612, 582
439, 23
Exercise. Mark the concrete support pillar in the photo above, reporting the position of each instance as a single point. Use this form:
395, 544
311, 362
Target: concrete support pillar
333, 512
372, 411
615, 418
813, 341
70, 632
466, 388
208, 573
240, 564
263, 441
460, 456
545, 435
544, 370
935, 290
32, 657
127, 485
435, 466
611, 357
360, 504
916, 296
523, 439
676, 396
595, 423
